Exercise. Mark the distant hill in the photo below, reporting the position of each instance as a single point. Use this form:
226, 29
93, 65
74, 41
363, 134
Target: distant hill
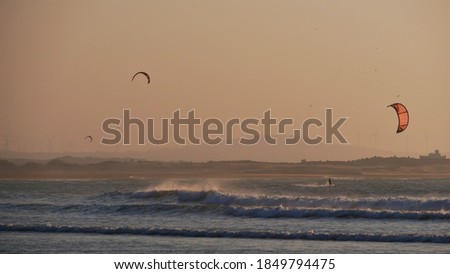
72, 167
6, 165
260, 152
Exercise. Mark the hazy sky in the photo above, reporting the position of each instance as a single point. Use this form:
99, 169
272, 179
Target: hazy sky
65, 66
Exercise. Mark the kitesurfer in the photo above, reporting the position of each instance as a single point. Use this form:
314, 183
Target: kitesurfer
330, 183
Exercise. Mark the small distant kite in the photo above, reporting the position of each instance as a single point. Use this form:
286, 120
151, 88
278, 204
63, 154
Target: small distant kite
403, 116
143, 73
89, 137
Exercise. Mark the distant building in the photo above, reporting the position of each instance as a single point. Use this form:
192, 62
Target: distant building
436, 155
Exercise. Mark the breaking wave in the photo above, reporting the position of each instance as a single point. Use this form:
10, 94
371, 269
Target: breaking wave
220, 198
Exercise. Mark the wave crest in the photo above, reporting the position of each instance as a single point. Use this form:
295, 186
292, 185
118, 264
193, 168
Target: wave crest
222, 198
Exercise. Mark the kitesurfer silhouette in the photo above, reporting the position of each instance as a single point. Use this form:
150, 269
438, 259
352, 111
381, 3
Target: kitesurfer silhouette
330, 183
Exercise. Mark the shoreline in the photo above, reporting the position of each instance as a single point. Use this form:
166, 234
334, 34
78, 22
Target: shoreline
78, 168
216, 176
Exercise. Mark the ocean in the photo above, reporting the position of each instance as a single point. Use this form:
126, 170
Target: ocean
273, 215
